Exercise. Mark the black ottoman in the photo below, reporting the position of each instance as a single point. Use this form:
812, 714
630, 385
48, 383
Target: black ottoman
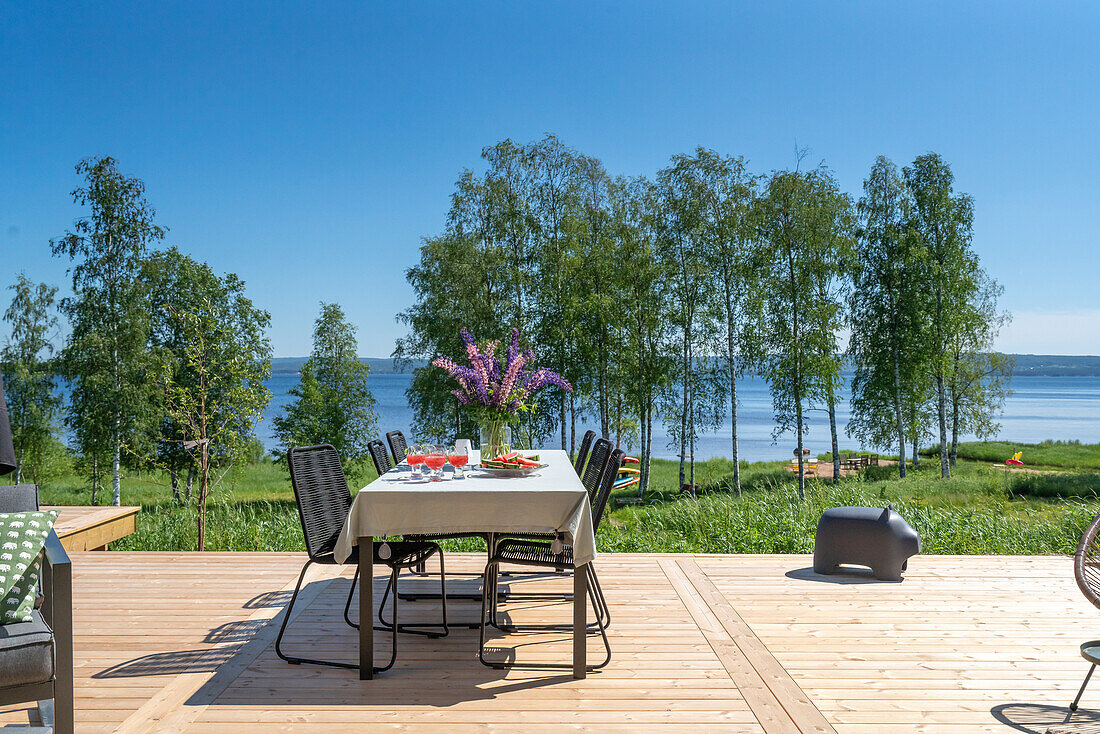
864, 536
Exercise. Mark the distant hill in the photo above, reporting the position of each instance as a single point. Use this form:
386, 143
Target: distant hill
1057, 365
1046, 365
378, 365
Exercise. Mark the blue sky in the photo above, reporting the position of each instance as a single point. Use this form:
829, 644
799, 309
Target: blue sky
309, 146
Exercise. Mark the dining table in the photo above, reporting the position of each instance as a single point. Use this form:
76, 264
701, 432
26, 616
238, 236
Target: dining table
550, 499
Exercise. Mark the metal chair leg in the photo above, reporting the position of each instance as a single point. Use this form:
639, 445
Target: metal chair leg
282, 628
442, 596
485, 604
603, 611
347, 604
1073, 706
413, 596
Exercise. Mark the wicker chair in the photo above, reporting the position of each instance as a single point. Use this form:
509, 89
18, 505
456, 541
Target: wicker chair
398, 445
1086, 569
379, 456
543, 555
582, 452
590, 478
36, 657
321, 492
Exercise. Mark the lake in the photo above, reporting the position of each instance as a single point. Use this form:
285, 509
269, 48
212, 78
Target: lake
1040, 408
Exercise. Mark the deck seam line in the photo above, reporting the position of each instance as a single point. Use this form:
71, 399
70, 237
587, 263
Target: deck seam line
795, 701
167, 703
759, 697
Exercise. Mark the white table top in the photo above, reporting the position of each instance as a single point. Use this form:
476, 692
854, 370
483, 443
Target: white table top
552, 500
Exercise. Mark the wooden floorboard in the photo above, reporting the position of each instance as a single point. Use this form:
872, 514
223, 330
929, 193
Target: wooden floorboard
184, 642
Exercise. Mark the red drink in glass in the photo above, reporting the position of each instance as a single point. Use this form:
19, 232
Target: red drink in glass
458, 460
435, 462
415, 460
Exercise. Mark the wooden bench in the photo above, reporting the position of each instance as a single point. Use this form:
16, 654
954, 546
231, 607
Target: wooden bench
85, 527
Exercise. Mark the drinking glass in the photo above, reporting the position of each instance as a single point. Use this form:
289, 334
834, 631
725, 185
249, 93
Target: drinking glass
435, 459
458, 457
414, 454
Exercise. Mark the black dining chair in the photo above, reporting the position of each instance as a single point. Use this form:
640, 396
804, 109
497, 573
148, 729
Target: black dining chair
540, 554
590, 479
582, 452
398, 445
321, 493
379, 456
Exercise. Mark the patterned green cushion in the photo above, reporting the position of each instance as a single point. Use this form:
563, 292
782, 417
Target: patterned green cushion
22, 535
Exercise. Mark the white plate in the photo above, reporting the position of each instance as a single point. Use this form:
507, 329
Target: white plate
510, 471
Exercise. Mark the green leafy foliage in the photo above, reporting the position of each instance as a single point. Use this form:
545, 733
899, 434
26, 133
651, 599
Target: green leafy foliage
29, 380
332, 401
106, 358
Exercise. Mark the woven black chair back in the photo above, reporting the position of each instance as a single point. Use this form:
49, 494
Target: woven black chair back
1086, 563
593, 472
382, 463
398, 445
582, 452
610, 474
321, 491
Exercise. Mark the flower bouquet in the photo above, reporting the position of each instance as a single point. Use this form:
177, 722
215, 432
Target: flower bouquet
496, 392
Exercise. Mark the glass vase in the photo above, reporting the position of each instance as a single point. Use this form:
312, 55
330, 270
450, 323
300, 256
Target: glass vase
496, 439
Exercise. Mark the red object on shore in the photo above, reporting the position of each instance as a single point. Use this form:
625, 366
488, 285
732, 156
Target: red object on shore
1013, 462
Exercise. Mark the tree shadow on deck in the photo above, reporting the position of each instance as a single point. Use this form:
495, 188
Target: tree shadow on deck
1039, 718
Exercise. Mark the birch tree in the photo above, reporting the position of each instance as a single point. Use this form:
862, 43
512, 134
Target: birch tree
684, 248
885, 307
29, 375
801, 217
106, 358
642, 293
942, 220
727, 190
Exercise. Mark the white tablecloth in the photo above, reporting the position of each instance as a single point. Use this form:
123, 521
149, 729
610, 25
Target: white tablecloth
551, 500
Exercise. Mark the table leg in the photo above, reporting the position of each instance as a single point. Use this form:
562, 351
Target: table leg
491, 588
366, 608
580, 588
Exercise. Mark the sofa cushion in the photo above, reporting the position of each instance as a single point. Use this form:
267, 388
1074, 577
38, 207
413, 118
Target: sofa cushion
22, 535
26, 652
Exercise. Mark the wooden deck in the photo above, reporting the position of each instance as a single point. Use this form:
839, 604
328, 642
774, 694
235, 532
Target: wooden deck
84, 527
183, 642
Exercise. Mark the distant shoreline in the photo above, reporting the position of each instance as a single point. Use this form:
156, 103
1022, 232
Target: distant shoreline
1038, 365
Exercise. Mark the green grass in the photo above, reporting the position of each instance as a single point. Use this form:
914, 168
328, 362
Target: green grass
1048, 454
251, 508
976, 511
979, 510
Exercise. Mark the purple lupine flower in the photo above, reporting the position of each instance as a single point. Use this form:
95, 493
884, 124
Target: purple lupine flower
491, 383
508, 381
513, 346
543, 377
